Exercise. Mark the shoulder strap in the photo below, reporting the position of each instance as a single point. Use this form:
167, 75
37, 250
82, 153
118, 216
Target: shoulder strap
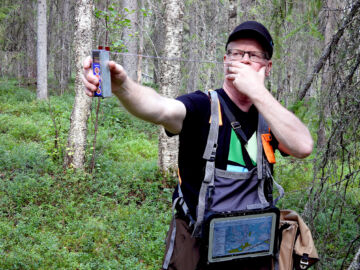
236, 126
261, 161
211, 145
209, 155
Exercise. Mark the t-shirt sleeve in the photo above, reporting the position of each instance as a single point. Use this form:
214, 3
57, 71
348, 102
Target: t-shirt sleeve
194, 104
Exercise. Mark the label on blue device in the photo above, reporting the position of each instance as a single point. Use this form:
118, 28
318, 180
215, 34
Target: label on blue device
97, 71
102, 72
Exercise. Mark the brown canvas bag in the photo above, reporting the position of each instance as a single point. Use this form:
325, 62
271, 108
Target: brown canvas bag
297, 248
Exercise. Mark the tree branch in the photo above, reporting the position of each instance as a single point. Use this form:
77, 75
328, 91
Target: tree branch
326, 53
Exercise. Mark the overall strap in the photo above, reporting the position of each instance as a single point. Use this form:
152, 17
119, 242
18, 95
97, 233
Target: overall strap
236, 126
209, 156
264, 171
262, 129
211, 145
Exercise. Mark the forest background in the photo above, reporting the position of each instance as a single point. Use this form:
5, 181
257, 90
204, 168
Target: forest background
111, 208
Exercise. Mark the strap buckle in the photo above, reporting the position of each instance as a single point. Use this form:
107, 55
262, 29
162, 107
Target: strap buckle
304, 261
213, 153
235, 125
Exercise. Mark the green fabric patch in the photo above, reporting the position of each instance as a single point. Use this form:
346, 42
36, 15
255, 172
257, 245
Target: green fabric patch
235, 153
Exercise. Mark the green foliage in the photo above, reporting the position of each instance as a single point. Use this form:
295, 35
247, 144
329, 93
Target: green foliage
336, 225
117, 217
116, 21
51, 218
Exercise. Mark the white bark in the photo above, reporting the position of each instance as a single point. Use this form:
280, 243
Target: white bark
232, 14
41, 91
326, 80
213, 32
141, 43
355, 264
75, 156
170, 77
193, 50
64, 47
130, 39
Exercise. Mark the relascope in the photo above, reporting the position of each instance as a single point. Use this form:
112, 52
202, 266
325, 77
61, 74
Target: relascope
101, 70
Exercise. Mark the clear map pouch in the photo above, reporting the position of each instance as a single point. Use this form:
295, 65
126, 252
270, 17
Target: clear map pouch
242, 235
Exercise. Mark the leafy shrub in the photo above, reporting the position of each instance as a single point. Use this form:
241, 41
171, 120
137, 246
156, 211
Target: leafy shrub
23, 156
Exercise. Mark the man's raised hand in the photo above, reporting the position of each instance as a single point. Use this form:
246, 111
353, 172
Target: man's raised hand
91, 82
245, 79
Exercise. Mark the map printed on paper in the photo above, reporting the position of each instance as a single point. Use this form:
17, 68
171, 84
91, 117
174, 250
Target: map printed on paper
241, 236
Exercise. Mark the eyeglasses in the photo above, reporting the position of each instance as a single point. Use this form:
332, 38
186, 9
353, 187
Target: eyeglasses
257, 57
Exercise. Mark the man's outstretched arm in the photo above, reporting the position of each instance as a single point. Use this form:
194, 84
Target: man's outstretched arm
141, 101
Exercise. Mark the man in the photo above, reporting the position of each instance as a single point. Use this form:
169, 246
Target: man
246, 64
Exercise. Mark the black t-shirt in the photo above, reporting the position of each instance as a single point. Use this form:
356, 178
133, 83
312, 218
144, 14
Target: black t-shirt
193, 138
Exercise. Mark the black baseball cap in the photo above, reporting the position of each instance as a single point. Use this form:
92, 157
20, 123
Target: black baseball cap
253, 29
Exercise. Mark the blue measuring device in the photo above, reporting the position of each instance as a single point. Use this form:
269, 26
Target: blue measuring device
101, 70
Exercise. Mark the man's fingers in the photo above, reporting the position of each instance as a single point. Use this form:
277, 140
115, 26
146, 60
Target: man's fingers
262, 71
89, 93
91, 78
115, 68
88, 75
230, 77
87, 63
90, 85
112, 65
233, 70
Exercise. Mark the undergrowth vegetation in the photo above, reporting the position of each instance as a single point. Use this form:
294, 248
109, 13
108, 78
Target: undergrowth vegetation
117, 216
52, 218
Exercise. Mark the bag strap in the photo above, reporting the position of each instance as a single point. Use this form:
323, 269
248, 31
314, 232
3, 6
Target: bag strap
172, 236
236, 126
209, 155
181, 202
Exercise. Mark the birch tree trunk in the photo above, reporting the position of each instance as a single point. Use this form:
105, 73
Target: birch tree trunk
29, 69
355, 264
326, 80
211, 44
41, 92
64, 47
232, 14
141, 43
75, 154
193, 51
170, 78
158, 37
130, 39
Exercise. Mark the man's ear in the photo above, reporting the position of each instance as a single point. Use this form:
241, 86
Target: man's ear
267, 71
268, 68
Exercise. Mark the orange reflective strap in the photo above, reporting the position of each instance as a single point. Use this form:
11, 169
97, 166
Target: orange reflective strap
220, 115
179, 176
268, 149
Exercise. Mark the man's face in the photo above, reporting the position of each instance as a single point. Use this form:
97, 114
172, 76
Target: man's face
248, 45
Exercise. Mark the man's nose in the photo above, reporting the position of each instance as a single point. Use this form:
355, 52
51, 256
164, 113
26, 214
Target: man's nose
245, 59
